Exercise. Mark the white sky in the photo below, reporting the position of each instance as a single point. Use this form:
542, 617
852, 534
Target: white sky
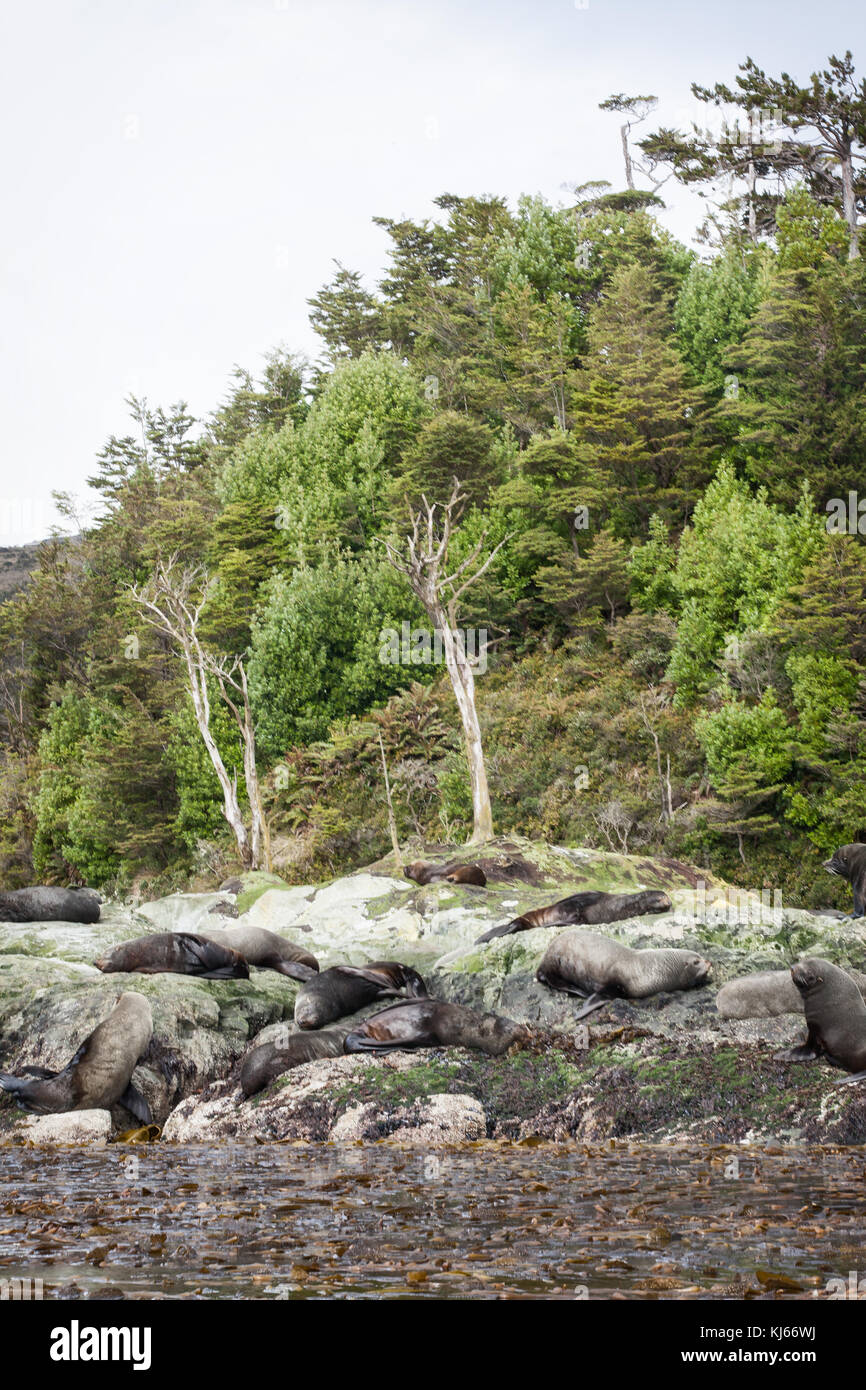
178, 176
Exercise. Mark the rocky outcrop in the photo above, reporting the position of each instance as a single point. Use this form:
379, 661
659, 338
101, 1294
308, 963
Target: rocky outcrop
657, 1068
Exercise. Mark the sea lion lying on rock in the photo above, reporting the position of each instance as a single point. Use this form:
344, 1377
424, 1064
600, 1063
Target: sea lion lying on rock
262, 1064
175, 953
79, 905
432, 1023
767, 994
344, 989
835, 1019
99, 1075
446, 873
588, 964
591, 909
266, 950
849, 862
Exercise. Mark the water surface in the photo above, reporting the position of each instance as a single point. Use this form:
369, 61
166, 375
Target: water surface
488, 1220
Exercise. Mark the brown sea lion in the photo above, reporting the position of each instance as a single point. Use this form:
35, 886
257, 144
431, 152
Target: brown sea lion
99, 1075
262, 1064
588, 964
79, 905
175, 953
446, 873
585, 909
835, 1019
849, 862
344, 989
432, 1023
266, 950
767, 994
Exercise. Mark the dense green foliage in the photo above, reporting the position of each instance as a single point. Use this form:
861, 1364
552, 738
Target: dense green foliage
660, 438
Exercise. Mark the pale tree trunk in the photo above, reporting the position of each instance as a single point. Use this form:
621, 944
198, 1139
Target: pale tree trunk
424, 562
173, 602
228, 785
753, 216
392, 819
849, 207
463, 683
259, 833
626, 154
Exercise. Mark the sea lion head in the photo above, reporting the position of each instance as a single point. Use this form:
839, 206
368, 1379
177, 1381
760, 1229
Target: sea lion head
696, 970
497, 1034
809, 975
847, 862
115, 961
656, 901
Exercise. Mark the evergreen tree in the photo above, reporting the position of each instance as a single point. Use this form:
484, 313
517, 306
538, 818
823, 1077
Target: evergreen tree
636, 415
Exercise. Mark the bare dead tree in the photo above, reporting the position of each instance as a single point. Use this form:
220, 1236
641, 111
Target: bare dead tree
392, 820
172, 602
651, 704
423, 559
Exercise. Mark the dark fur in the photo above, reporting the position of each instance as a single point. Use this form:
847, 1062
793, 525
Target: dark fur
585, 909
50, 905
423, 873
344, 989
100, 1073
849, 862
587, 963
835, 1017
432, 1023
266, 950
175, 953
263, 1064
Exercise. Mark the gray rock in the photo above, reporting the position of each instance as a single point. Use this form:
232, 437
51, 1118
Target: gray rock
76, 1127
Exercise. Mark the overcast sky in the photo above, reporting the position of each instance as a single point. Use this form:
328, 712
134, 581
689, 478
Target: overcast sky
178, 176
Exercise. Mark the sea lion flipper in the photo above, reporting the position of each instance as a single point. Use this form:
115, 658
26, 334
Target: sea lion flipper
374, 976
804, 1053
296, 970
507, 929
849, 1080
136, 1104
13, 1084
594, 1002
359, 1042
209, 959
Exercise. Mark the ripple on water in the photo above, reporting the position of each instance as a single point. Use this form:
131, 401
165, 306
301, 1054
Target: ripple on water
484, 1220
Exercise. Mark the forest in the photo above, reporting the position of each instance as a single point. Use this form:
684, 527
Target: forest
661, 451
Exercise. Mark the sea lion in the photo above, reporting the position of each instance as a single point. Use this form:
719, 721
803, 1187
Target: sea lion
266, 950
50, 905
99, 1075
835, 1018
344, 989
270, 1060
588, 964
767, 994
432, 1023
175, 953
585, 909
849, 862
446, 873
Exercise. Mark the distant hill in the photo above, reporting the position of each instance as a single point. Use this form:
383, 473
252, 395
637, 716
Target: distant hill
16, 564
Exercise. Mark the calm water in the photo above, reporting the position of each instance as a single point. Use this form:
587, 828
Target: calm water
482, 1221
